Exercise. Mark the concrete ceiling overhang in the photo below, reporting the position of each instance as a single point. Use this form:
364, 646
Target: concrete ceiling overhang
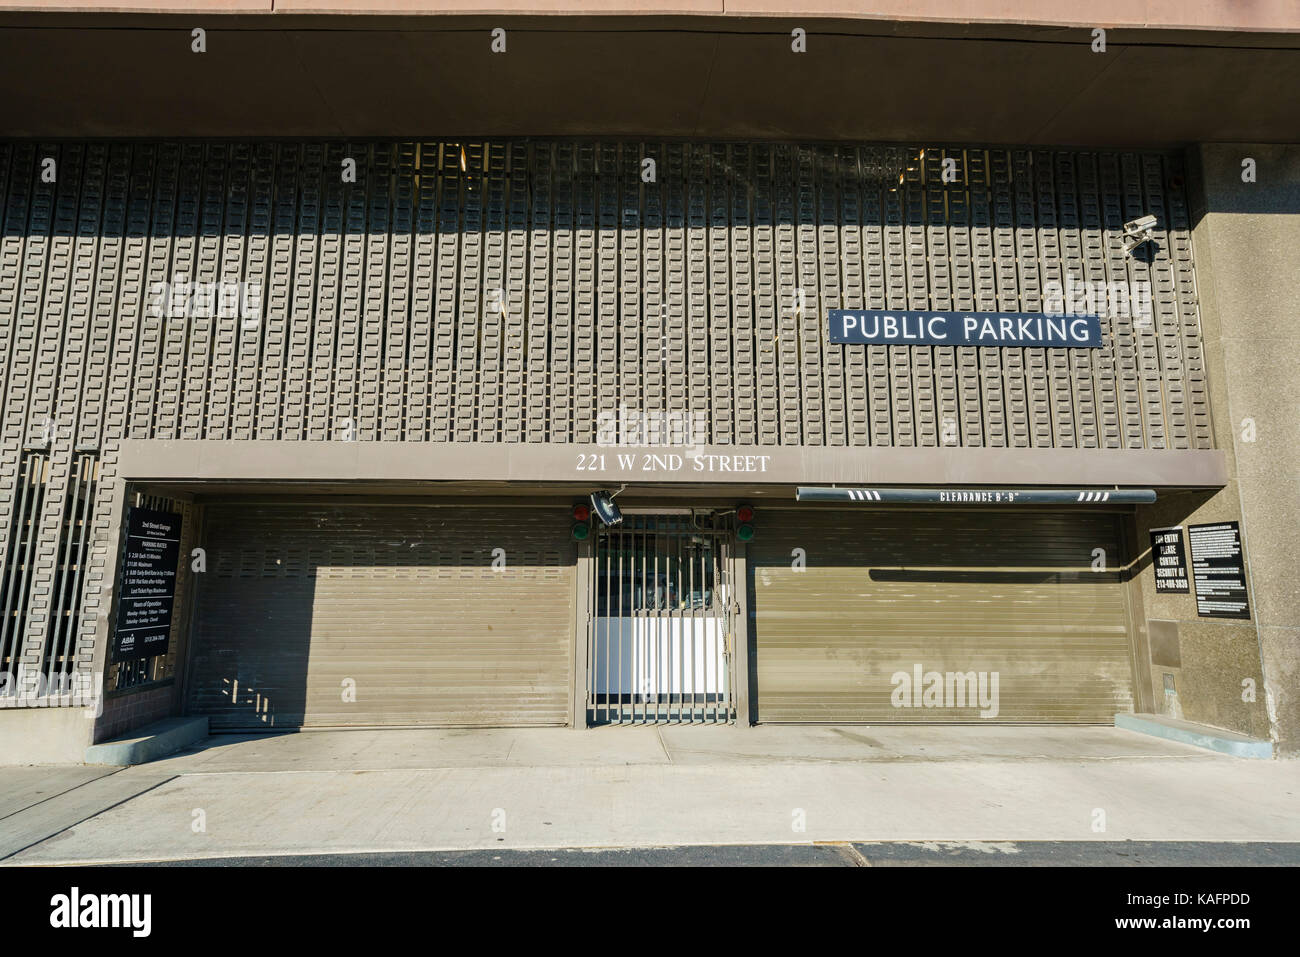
718, 77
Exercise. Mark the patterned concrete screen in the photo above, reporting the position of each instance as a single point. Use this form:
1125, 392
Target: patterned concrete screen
514, 291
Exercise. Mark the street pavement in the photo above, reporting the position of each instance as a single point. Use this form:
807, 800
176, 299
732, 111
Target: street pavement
668, 796
896, 854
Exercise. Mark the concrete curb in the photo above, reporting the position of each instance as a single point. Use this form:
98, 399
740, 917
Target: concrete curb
153, 741
1197, 735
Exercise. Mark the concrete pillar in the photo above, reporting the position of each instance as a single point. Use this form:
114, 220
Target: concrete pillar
1247, 244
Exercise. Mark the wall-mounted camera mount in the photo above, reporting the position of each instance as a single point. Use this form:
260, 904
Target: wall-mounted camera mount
1138, 232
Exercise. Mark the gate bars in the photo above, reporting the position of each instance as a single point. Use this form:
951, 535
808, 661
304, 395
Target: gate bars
661, 623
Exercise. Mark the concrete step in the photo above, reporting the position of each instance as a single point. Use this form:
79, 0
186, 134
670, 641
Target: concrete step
146, 744
1198, 735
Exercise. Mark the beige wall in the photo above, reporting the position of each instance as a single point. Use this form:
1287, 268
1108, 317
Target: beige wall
1251, 234
44, 735
1211, 657
1248, 273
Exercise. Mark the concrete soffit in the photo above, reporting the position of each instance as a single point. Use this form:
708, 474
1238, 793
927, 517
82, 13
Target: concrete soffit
1223, 15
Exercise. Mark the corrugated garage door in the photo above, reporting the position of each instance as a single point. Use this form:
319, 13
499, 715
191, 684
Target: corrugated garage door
362, 615
887, 597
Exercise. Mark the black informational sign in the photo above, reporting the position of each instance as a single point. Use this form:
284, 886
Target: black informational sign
1169, 560
148, 590
1219, 570
1002, 329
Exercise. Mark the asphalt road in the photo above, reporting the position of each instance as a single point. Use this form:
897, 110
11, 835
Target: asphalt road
882, 854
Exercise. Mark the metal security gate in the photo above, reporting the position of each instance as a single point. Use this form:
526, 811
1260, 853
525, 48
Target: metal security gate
375, 614
1007, 609
662, 622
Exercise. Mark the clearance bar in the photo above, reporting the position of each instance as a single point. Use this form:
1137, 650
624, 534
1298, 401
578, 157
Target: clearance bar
978, 496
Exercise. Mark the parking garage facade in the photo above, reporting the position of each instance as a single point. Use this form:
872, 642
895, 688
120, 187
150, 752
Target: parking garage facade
304, 433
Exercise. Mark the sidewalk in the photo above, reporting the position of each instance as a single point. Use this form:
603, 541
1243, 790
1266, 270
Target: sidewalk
419, 790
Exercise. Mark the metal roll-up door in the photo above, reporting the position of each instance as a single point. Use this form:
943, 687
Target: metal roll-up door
364, 615
1015, 607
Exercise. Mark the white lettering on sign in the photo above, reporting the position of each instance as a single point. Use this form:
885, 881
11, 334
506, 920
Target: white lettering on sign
660, 461
992, 497
958, 328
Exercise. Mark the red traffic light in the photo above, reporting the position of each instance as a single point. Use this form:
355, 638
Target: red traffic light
581, 512
745, 513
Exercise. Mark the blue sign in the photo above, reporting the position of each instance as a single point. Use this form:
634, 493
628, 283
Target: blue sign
1001, 329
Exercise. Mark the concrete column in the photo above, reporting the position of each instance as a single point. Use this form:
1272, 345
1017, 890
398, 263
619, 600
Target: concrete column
1246, 239
583, 577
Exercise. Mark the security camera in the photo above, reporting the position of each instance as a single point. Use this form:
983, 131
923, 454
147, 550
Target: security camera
602, 504
1137, 232
1142, 224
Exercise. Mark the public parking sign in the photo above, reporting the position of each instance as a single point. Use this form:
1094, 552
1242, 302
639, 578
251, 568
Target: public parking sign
1000, 329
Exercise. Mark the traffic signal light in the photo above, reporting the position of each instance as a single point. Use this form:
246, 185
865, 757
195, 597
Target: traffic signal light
744, 523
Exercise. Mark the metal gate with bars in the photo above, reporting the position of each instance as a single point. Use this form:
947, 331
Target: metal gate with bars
43, 664
660, 638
